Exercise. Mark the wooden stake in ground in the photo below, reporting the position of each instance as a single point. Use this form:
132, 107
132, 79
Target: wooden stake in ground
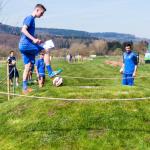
8, 83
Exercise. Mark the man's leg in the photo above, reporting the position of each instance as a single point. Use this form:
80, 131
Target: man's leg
17, 83
43, 80
40, 80
25, 75
124, 79
27, 59
11, 82
32, 70
11, 75
51, 73
17, 76
47, 62
130, 80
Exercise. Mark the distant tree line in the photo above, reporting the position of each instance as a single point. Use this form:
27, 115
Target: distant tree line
97, 46
80, 43
74, 45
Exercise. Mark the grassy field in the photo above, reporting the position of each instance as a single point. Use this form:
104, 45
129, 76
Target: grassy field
27, 123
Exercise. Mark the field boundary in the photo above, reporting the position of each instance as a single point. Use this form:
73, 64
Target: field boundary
71, 99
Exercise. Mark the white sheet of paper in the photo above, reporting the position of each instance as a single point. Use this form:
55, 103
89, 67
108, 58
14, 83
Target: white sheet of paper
48, 44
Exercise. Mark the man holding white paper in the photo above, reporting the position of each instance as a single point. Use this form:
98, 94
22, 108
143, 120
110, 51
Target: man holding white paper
30, 46
48, 44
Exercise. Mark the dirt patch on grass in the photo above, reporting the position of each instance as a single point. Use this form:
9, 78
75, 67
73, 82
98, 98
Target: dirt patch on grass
96, 133
57, 106
114, 63
51, 113
19, 109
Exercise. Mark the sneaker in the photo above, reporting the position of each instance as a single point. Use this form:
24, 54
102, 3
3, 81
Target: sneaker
25, 92
54, 73
29, 89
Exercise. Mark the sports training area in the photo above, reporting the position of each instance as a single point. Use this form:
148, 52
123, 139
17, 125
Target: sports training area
91, 110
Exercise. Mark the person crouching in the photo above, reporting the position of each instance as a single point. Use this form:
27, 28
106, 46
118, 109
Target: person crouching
40, 70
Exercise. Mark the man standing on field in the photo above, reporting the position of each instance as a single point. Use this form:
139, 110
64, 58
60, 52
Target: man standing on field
129, 67
29, 46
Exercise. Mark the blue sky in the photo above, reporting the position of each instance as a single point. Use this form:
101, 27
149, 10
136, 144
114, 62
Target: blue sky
123, 16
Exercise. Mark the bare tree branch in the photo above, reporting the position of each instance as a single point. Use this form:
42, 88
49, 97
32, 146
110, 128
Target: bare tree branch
2, 5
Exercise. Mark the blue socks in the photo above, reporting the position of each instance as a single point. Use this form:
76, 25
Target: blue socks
24, 85
49, 69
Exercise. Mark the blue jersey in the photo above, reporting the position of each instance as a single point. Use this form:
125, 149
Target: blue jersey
30, 23
40, 67
130, 61
26, 46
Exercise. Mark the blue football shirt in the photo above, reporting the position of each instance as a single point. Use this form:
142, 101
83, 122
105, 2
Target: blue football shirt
40, 67
26, 46
130, 61
30, 23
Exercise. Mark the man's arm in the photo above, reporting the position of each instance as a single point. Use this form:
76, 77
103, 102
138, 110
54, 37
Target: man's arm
122, 68
135, 69
25, 31
136, 65
9, 61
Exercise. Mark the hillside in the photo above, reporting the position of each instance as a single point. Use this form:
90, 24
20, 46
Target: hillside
74, 33
42, 124
110, 36
9, 40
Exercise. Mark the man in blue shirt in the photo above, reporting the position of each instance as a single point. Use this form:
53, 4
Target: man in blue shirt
129, 67
40, 70
29, 46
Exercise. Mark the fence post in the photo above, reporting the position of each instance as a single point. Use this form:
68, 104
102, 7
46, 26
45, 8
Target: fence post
14, 80
8, 82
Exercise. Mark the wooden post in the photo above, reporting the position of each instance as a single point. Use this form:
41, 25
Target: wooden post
8, 82
14, 82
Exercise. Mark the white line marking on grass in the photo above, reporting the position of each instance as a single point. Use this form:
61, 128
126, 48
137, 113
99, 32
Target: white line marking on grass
109, 78
88, 87
67, 99
98, 78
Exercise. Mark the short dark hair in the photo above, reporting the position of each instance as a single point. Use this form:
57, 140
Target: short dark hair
129, 45
11, 52
41, 53
40, 6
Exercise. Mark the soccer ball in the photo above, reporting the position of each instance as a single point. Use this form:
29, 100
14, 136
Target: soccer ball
13, 62
57, 81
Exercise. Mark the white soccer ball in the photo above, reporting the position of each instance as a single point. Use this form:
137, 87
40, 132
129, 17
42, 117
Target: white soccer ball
57, 81
13, 62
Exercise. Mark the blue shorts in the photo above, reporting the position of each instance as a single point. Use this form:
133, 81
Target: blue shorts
127, 79
29, 51
28, 58
42, 75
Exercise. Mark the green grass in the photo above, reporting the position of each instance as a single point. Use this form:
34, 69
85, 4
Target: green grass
27, 123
